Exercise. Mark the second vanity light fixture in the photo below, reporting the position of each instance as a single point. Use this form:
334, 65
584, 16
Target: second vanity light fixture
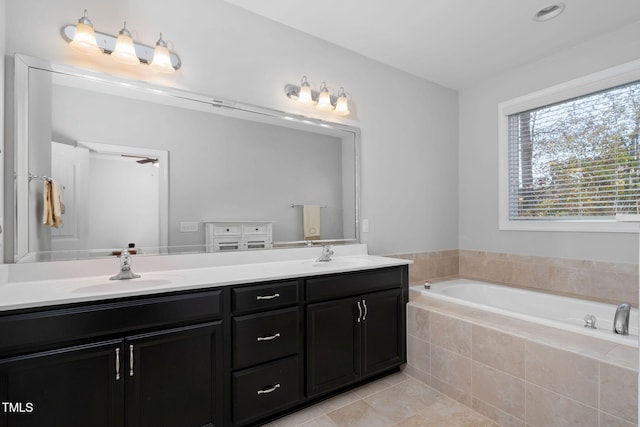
83, 38
322, 99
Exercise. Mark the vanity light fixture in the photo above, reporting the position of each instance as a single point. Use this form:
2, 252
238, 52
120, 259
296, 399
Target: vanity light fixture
322, 99
304, 94
122, 48
84, 38
125, 52
342, 105
161, 58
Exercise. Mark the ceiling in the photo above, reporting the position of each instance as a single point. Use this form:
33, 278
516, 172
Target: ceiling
451, 42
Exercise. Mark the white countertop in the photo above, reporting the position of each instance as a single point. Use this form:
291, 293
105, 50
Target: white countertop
41, 293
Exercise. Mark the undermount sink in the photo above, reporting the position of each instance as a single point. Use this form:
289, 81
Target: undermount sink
122, 285
340, 263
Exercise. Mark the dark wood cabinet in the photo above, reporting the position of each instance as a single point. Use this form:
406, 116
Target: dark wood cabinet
77, 386
174, 377
333, 345
267, 369
383, 331
231, 356
349, 339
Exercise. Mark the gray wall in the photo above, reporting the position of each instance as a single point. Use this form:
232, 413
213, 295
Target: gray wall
409, 148
478, 158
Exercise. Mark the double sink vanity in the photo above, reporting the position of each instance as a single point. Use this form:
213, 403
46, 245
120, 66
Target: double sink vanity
233, 340
219, 333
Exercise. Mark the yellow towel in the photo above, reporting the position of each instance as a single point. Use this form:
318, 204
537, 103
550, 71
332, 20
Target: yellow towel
311, 222
53, 205
47, 211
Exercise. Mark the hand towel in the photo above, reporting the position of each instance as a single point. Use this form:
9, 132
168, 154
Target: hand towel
47, 211
311, 222
53, 205
57, 204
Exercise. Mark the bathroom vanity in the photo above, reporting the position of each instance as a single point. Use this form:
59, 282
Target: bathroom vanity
209, 354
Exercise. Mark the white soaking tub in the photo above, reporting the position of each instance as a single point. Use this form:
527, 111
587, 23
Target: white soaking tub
546, 309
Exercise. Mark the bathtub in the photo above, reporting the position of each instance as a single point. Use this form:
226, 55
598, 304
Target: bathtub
546, 309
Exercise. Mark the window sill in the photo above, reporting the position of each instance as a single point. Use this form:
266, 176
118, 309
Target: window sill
626, 225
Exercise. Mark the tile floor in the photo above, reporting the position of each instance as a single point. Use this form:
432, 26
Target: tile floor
395, 400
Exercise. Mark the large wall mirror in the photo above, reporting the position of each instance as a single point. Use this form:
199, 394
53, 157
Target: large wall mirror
148, 165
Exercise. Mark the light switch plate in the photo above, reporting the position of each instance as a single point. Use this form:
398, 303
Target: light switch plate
188, 226
365, 225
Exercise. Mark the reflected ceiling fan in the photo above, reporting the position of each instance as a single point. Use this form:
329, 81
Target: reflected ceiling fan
143, 159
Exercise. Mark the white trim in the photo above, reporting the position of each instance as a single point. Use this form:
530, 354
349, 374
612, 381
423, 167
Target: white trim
611, 77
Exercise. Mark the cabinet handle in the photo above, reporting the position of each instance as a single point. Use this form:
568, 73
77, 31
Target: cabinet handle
259, 297
131, 360
117, 364
269, 338
364, 316
269, 390
359, 311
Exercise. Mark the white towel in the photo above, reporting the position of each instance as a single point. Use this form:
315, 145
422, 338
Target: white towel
311, 222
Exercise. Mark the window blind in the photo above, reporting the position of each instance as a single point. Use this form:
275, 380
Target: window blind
576, 159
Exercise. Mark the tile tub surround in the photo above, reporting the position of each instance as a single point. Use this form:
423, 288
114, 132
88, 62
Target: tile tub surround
436, 265
608, 282
518, 373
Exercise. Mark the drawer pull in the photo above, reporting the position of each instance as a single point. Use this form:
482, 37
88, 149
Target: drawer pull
269, 390
117, 364
131, 360
269, 338
359, 311
364, 316
259, 297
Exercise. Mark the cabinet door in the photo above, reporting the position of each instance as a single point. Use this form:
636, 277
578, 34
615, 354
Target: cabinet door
333, 345
174, 377
383, 331
76, 386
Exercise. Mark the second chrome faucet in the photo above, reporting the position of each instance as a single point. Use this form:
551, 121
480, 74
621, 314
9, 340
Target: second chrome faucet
621, 319
327, 252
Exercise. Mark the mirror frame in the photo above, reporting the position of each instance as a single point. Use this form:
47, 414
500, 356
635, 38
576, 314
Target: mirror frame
20, 187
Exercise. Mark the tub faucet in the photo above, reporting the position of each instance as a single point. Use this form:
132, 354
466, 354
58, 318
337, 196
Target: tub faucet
621, 319
125, 267
327, 251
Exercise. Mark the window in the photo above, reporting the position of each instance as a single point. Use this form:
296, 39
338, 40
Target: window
572, 156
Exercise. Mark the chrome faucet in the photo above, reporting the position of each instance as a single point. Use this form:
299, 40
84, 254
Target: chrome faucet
621, 319
125, 267
327, 251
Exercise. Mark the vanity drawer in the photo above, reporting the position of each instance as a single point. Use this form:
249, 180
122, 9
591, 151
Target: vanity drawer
226, 244
256, 242
41, 328
258, 338
327, 287
264, 390
227, 230
264, 297
248, 229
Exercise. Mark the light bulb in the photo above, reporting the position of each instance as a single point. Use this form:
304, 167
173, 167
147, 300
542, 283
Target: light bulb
84, 40
161, 58
342, 105
304, 96
324, 99
125, 52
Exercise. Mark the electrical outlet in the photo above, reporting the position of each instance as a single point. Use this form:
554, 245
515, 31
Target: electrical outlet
188, 226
